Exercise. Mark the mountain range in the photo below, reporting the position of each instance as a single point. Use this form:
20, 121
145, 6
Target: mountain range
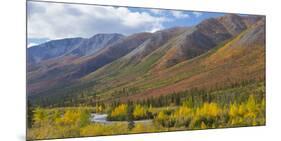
216, 52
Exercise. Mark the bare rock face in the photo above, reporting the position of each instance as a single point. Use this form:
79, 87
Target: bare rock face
51, 49
70, 46
255, 36
233, 23
156, 41
251, 20
214, 29
95, 43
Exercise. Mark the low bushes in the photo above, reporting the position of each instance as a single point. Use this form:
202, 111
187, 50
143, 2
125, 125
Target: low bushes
122, 113
210, 115
67, 122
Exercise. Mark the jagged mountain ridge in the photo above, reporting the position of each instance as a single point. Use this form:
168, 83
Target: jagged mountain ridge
145, 62
63, 70
51, 49
70, 46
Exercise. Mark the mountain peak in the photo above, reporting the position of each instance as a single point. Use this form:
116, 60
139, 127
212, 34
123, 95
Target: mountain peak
51, 49
96, 42
71, 46
233, 23
106, 35
214, 29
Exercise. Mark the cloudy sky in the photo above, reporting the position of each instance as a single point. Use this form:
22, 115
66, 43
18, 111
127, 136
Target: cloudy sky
49, 21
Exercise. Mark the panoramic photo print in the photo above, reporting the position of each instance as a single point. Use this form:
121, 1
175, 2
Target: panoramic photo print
96, 70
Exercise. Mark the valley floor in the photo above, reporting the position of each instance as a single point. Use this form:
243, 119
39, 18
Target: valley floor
129, 118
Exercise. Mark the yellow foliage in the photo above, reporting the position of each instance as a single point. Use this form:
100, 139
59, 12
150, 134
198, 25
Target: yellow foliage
139, 128
209, 109
70, 117
251, 104
139, 112
73, 118
183, 111
233, 110
39, 116
203, 125
262, 108
120, 110
246, 113
161, 116
182, 115
263, 104
99, 108
237, 110
54, 123
242, 109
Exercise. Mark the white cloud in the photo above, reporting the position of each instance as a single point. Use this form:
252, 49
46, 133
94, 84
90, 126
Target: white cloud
31, 44
179, 14
197, 14
56, 20
156, 11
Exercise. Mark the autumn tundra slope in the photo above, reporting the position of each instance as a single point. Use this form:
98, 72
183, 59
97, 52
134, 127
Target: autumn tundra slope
63, 69
215, 53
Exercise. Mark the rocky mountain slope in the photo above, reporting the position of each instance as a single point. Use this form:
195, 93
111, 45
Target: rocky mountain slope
216, 52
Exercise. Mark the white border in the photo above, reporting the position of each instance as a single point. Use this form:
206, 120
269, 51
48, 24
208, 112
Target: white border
12, 71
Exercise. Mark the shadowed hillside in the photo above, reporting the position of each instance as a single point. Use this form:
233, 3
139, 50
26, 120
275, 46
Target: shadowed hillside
216, 53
